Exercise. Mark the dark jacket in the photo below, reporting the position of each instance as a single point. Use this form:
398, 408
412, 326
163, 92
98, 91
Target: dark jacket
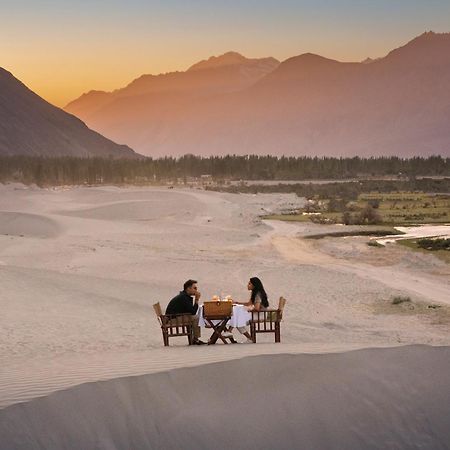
182, 304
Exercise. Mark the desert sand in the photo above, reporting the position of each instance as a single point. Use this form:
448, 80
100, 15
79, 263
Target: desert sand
81, 267
354, 400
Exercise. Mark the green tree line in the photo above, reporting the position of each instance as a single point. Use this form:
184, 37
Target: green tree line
69, 170
339, 193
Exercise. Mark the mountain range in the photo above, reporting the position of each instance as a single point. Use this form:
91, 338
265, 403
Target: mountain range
306, 105
31, 126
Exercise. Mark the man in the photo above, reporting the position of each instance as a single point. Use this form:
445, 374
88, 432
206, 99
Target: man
182, 304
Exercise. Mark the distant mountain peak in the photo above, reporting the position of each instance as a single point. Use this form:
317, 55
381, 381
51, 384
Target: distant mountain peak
431, 35
428, 37
309, 58
428, 45
92, 94
306, 61
227, 59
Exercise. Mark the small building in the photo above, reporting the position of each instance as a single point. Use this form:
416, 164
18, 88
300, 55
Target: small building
206, 179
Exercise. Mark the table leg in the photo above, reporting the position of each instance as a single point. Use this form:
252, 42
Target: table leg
218, 330
221, 329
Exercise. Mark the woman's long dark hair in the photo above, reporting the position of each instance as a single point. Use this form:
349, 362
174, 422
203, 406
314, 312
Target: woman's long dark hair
258, 288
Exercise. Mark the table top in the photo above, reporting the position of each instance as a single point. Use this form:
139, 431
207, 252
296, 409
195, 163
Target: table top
240, 317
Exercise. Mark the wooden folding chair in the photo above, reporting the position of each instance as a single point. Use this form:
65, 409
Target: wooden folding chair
267, 321
174, 325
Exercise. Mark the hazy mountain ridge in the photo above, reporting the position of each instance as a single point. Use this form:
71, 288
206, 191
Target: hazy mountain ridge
231, 59
227, 73
307, 105
430, 48
31, 126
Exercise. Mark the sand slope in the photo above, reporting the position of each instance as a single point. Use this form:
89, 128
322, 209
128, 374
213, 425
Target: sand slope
31, 225
394, 398
79, 281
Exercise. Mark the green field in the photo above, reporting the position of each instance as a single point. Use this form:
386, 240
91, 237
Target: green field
395, 208
408, 208
412, 244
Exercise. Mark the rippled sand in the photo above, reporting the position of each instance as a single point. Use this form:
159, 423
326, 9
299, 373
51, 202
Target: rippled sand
81, 267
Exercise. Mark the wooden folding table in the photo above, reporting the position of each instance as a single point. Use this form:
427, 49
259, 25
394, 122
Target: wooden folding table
216, 314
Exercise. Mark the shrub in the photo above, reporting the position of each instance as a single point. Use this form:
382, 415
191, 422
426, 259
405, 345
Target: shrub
347, 218
398, 300
374, 203
434, 244
370, 216
323, 220
336, 204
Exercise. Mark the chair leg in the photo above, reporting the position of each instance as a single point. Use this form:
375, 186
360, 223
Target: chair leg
165, 338
191, 336
277, 333
253, 333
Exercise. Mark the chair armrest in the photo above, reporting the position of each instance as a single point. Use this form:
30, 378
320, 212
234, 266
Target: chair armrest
266, 315
180, 319
172, 316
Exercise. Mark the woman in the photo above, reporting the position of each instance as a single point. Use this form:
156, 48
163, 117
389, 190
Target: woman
258, 302
258, 298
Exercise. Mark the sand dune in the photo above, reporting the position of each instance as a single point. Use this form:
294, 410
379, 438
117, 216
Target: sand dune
128, 210
371, 399
30, 225
78, 286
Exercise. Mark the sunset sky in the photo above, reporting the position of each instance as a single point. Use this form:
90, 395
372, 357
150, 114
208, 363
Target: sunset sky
62, 48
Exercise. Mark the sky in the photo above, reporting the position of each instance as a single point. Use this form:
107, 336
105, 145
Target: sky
63, 48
